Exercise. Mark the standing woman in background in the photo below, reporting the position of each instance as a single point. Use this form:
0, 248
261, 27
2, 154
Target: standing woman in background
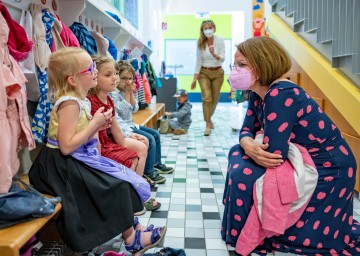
210, 54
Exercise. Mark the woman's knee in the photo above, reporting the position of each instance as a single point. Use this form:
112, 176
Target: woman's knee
235, 151
207, 98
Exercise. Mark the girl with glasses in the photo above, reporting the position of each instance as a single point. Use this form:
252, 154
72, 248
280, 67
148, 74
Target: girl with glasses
99, 196
125, 99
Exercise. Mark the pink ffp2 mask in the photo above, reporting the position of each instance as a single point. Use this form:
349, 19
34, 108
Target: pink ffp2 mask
240, 79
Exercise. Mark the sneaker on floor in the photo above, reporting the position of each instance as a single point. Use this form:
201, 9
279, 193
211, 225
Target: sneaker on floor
156, 178
163, 169
180, 131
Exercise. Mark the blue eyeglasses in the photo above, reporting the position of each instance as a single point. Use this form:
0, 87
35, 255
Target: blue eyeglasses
91, 69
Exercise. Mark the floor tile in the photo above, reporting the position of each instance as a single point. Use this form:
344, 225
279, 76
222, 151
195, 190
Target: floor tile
195, 252
194, 232
192, 196
194, 243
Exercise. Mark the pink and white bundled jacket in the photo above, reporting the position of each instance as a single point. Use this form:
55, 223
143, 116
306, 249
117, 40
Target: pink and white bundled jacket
280, 197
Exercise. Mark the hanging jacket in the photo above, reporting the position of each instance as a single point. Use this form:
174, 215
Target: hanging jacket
147, 90
67, 36
19, 44
151, 77
85, 38
15, 129
41, 118
102, 44
112, 49
41, 50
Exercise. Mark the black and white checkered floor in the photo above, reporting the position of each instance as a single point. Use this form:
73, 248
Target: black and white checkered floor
191, 197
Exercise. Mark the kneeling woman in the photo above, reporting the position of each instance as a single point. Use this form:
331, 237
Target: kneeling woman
287, 114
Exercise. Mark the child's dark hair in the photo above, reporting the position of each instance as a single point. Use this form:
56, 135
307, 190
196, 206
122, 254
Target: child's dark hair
123, 65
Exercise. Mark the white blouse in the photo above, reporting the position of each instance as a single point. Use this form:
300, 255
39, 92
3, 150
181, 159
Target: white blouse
204, 57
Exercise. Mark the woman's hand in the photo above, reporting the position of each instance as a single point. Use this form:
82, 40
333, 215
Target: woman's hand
211, 49
193, 85
102, 119
258, 153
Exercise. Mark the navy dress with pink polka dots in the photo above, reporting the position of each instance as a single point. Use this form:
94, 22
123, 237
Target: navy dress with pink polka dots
326, 227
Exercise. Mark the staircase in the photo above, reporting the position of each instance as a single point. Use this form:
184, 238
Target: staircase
332, 27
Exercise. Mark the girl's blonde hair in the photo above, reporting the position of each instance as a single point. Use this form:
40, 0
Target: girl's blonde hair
100, 60
62, 64
202, 39
267, 56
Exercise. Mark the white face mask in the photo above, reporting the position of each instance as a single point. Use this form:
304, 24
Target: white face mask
208, 32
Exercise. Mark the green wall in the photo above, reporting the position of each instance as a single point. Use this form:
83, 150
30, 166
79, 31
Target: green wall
188, 27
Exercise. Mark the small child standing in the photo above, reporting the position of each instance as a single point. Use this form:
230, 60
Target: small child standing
181, 117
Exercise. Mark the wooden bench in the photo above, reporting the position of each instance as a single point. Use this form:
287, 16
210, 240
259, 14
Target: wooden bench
148, 117
14, 237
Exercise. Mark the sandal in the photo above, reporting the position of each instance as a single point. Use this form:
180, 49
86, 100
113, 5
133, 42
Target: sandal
157, 235
149, 206
136, 223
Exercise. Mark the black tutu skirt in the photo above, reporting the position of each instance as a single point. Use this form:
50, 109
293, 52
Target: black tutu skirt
95, 206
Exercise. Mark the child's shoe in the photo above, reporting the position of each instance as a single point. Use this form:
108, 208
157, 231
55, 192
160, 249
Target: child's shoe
180, 131
163, 169
157, 235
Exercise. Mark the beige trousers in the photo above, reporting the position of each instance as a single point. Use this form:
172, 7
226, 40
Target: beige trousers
210, 83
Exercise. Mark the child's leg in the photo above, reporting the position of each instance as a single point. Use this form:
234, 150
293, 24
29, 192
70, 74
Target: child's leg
134, 165
174, 125
141, 149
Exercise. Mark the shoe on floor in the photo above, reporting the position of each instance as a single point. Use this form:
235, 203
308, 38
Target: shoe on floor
138, 248
140, 212
149, 205
163, 169
155, 177
207, 131
180, 131
170, 130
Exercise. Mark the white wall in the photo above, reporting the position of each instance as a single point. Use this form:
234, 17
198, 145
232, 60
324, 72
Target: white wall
151, 13
213, 7
150, 18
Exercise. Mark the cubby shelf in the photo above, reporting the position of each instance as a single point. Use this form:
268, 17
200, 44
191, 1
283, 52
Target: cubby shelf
124, 35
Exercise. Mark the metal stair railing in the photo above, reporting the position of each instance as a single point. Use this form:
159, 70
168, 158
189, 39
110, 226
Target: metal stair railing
335, 24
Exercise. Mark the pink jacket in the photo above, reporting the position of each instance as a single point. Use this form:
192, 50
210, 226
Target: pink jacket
14, 121
280, 197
